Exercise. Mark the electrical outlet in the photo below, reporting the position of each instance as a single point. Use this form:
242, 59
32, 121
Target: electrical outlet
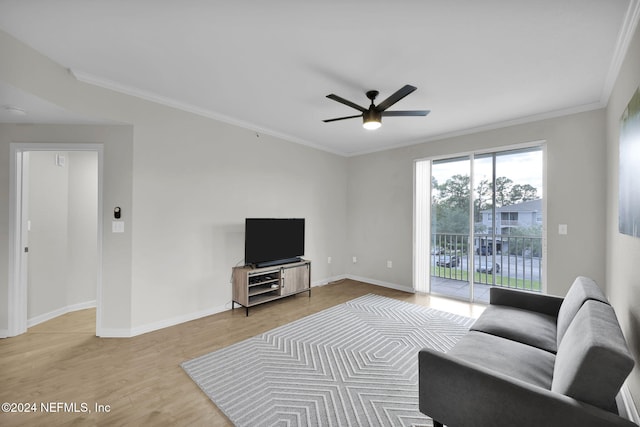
355, 259
389, 264
562, 229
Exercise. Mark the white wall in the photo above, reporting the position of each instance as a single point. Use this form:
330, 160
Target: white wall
48, 212
83, 227
623, 252
116, 261
185, 184
195, 181
63, 201
381, 198
192, 181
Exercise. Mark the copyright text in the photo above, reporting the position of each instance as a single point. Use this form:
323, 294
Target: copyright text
54, 407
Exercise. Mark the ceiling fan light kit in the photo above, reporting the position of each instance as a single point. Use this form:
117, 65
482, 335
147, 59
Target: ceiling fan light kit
372, 116
372, 120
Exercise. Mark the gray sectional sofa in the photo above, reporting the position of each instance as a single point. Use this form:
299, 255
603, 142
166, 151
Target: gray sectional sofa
531, 360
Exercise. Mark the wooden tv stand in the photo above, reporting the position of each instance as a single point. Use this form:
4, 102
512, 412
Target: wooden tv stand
253, 286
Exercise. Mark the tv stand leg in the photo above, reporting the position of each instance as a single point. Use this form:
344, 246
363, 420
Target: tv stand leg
247, 311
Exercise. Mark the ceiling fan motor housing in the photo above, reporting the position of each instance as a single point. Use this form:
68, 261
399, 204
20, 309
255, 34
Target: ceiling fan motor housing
372, 115
372, 118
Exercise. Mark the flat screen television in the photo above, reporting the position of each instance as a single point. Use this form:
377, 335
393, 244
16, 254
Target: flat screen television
273, 241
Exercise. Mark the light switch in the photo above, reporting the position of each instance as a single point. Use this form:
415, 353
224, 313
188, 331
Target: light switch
562, 229
117, 226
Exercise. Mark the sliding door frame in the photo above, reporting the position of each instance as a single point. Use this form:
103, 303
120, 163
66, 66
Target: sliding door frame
422, 213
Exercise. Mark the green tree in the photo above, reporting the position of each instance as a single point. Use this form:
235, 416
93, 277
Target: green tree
522, 193
528, 241
454, 192
451, 205
483, 200
503, 191
450, 201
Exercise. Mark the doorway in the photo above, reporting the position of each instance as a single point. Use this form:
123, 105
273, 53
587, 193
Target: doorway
56, 232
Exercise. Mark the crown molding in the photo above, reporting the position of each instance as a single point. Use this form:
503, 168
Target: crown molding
492, 126
189, 108
627, 30
629, 25
173, 103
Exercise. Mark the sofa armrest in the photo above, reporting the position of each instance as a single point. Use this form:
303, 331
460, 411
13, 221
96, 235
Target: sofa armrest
541, 303
459, 393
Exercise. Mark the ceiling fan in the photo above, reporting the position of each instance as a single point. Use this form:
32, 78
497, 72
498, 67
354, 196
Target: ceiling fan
372, 116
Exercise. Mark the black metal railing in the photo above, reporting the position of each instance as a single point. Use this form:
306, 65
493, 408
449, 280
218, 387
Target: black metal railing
500, 260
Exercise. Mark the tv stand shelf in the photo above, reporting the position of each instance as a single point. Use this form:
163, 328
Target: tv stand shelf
253, 286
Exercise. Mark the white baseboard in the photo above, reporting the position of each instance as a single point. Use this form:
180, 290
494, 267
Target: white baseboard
629, 406
114, 333
4, 333
381, 283
328, 280
59, 312
150, 327
139, 330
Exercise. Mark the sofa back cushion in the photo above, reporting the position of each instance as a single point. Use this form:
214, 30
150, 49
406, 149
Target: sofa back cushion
593, 359
583, 289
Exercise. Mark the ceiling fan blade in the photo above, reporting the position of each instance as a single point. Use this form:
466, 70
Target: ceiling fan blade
346, 102
405, 113
342, 118
400, 93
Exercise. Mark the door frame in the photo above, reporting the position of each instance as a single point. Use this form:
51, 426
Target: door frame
422, 214
17, 289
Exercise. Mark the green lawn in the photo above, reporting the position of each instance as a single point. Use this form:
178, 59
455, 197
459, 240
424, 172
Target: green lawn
504, 281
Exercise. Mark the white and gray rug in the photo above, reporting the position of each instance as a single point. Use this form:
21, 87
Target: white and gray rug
355, 364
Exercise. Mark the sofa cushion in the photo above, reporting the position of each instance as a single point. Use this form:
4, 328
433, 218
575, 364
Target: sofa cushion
593, 359
507, 357
525, 326
583, 289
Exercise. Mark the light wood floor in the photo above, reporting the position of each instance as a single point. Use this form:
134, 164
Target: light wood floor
140, 378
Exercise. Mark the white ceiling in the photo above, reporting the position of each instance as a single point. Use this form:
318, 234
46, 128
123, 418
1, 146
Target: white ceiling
18, 106
269, 65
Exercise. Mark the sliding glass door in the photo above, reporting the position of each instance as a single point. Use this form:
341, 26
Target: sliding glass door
450, 226
483, 222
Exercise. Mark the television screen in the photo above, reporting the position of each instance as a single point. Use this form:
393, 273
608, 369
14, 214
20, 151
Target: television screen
271, 241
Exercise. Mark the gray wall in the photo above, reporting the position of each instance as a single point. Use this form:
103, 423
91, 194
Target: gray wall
623, 252
83, 226
381, 198
48, 211
185, 184
63, 201
195, 181
117, 191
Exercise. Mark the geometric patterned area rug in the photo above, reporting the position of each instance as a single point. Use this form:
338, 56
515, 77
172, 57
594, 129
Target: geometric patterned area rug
355, 364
